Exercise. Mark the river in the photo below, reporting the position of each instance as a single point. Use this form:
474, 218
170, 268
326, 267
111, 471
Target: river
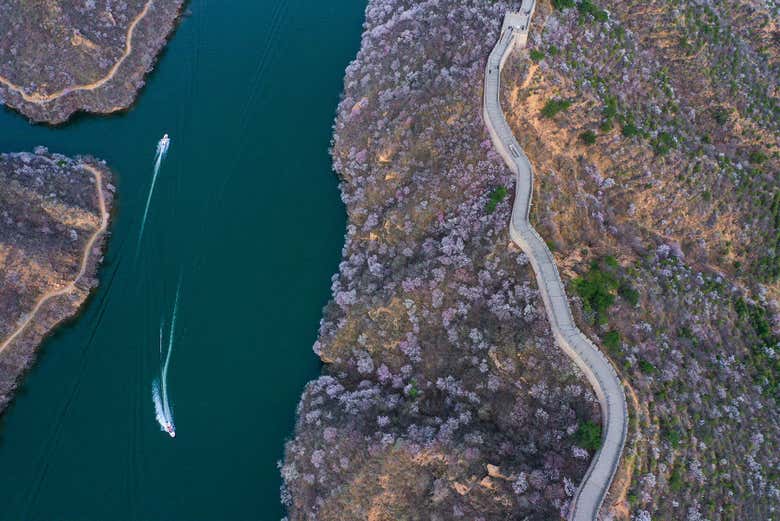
246, 213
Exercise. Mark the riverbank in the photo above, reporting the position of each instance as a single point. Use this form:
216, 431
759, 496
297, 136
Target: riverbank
54, 222
101, 67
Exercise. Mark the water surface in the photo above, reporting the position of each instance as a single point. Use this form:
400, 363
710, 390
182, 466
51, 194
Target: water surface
246, 212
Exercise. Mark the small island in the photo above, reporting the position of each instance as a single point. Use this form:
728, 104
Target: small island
54, 213
60, 57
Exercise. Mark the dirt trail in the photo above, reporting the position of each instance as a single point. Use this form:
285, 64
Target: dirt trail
46, 98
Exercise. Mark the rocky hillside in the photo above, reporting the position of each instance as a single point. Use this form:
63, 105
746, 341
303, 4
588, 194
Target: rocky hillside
653, 130
51, 233
61, 56
444, 396
657, 160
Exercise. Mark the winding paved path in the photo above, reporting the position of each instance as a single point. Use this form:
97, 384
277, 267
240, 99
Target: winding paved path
597, 369
84, 260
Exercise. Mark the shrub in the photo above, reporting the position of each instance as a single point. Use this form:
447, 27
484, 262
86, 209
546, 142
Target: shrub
588, 7
757, 157
630, 130
589, 435
663, 143
562, 4
610, 107
596, 290
646, 367
554, 106
611, 341
720, 115
628, 293
496, 196
537, 55
676, 480
588, 137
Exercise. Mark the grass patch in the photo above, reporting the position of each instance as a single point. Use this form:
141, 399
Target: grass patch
496, 196
554, 106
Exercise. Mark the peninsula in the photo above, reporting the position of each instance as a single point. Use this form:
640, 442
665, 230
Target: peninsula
654, 157
59, 57
54, 213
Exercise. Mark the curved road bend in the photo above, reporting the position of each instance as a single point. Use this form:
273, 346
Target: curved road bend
590, 495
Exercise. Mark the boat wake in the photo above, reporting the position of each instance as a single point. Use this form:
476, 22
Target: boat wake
162, 405
159, 155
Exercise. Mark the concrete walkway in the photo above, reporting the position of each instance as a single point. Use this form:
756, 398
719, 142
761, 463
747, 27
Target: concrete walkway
597, 369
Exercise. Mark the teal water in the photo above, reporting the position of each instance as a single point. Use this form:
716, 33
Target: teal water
247, 214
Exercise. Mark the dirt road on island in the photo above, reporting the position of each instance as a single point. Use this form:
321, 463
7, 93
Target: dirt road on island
45, 98
84, 260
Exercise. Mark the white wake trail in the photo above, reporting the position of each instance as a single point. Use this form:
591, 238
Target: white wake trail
159, 408
166, 403
162, 151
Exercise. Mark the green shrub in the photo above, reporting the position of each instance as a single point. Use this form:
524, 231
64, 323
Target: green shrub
562, 4
553, 51
588, 7
663, 143
628, 293
611, 341
610, 107
537, 55
596, 290
720, 115
588, 137
496, 196
676, 479
414, 392
757, 157
646, 367
630, 130
673, 437
589, 435
554, 106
